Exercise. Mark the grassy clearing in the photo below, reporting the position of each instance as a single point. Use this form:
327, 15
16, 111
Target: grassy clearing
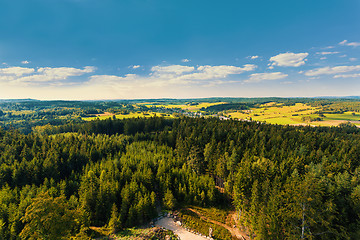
346, 116
135, 233
193, 221
216, 214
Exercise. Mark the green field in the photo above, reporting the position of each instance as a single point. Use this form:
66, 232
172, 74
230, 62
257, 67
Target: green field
276, 113
347, 116
293, 115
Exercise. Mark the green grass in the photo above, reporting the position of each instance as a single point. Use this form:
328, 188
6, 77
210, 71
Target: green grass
347, 116
135, 233
192, 221
216, 214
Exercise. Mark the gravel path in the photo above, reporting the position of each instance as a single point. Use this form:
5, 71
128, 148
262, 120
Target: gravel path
169, 223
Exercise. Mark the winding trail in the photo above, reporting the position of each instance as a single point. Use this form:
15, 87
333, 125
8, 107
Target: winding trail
235, 232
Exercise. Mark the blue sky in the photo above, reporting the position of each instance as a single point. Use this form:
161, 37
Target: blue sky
116, 49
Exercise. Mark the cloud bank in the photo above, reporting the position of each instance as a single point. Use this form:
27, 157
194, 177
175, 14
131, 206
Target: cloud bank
161, 76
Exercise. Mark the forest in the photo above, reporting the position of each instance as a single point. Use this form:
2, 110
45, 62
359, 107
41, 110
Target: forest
285, 182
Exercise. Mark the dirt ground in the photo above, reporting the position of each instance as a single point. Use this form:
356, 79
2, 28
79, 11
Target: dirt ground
169, 223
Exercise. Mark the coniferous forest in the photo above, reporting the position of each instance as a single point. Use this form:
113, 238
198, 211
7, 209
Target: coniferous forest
285, 182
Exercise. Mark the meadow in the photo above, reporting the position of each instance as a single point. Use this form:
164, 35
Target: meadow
298, 114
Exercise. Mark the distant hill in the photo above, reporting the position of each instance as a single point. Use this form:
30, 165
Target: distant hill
18, 100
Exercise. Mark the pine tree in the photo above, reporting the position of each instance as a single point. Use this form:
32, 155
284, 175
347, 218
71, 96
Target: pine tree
114, 221
169, 200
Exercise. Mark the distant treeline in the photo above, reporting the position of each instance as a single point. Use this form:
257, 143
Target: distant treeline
227, 106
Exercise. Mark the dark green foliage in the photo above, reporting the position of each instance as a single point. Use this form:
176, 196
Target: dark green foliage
227, 106
50, 218
114, 221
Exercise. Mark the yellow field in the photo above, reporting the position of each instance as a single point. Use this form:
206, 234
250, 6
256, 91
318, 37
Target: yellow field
277, 114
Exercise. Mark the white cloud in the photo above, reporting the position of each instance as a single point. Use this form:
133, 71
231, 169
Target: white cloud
64, 72
185, 60
323, 58
254, 57
343, 42
331, 70
352, 59
222, 71
289, 59
16, 71
347, 75
134, 66
172, 69
259, 77
160, 76
25, 62
46, 75
352, 44
327, 53
189, 75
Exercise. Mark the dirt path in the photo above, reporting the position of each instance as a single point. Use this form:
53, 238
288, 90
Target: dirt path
235, 232
169, 223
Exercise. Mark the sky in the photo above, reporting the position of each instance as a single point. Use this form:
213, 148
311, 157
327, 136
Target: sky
130, 49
